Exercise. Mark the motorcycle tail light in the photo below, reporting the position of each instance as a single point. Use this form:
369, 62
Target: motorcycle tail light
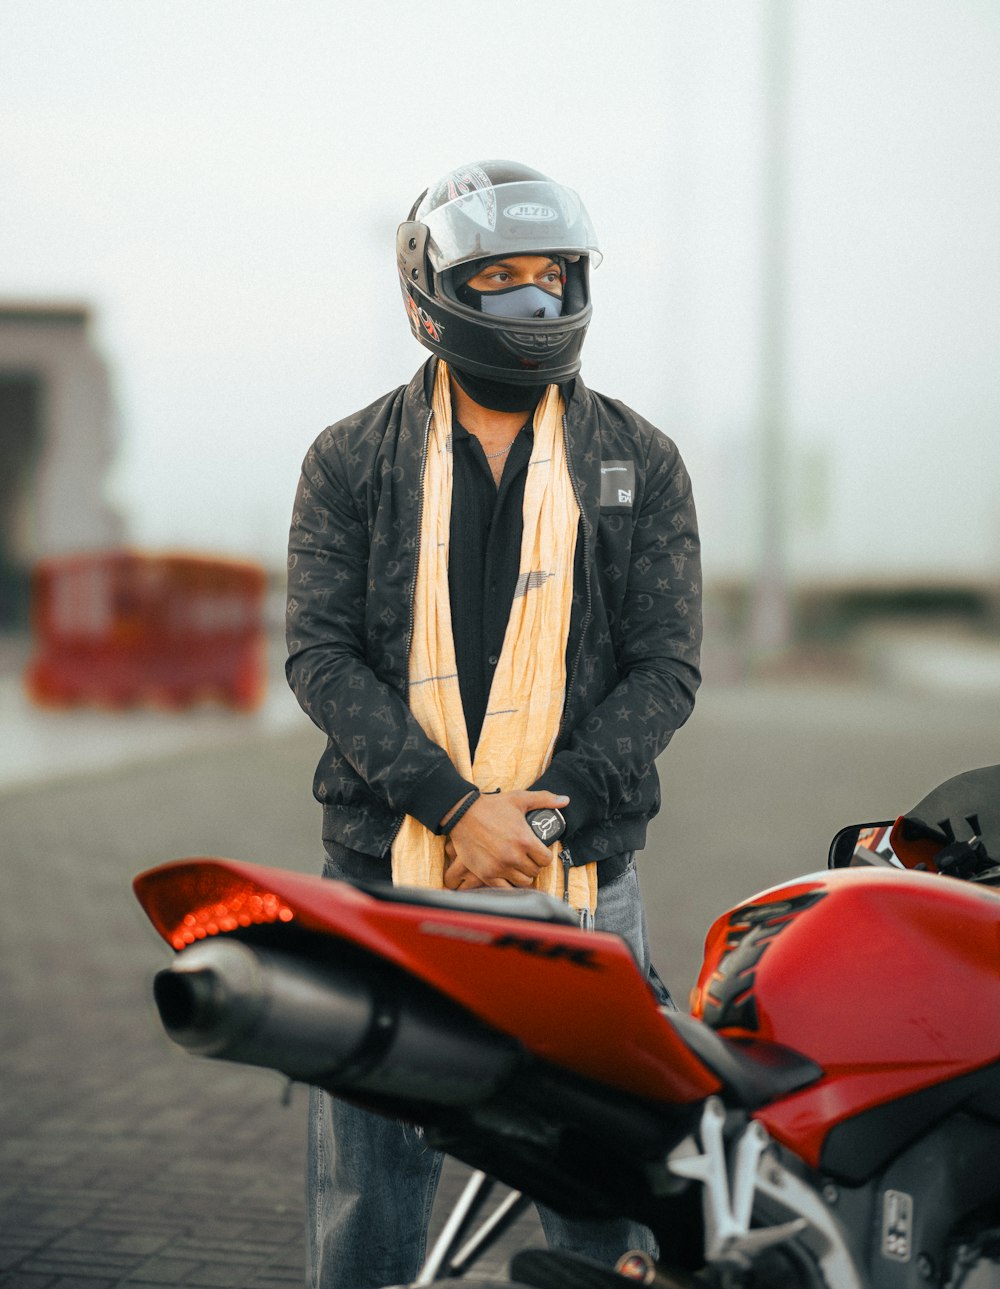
242, 909
197, 902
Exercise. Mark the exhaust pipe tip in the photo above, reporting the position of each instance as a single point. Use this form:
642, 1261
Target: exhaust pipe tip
211, 995
187, 1000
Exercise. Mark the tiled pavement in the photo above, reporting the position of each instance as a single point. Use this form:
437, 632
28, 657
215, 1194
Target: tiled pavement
123, 1161
126, 1163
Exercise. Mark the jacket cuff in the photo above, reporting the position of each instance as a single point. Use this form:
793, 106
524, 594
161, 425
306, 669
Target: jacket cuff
437, 794
582, 808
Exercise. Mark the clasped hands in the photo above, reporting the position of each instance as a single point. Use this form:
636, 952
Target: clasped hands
493, 845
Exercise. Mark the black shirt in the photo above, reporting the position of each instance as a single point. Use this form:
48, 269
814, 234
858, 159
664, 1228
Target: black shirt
484, 561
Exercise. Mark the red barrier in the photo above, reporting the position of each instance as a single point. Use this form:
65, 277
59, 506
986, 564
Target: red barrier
123, 629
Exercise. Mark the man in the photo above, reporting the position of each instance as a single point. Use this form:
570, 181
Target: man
494, 615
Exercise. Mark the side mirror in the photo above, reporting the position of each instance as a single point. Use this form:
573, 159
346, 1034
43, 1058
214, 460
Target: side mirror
955, 830
864, 846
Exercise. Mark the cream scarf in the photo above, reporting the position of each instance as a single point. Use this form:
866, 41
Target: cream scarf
528, 691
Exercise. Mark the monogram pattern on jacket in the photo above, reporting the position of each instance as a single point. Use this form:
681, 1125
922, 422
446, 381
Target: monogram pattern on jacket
635, 632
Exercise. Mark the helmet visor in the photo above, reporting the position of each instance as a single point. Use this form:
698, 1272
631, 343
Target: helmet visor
524, 218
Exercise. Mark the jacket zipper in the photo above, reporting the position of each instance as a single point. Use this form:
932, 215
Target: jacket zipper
586, 577
586, 917
584, 914
413, 587
567, 863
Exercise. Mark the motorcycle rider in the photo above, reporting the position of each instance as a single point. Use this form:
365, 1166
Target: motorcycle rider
494, 610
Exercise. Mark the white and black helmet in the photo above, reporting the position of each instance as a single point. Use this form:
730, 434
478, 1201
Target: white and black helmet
483, 212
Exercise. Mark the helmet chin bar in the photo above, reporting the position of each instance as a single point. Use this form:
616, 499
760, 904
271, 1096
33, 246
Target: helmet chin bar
533, 346
514, 351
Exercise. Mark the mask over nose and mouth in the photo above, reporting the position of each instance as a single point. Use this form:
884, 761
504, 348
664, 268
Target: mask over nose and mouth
525, 301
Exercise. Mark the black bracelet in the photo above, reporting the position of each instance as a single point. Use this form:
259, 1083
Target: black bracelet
467, 804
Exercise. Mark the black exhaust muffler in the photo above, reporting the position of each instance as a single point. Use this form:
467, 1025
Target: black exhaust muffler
347, 1026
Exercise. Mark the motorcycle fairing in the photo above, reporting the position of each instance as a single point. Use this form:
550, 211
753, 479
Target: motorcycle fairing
887, 979
856, 1148
580, 986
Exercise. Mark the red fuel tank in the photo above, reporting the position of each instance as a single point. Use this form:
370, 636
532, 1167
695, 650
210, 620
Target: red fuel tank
888, 980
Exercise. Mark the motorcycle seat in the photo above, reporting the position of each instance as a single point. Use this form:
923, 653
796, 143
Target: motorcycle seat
753, 1073
536, 906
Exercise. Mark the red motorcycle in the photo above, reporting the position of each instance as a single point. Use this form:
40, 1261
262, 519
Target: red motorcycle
827, 1117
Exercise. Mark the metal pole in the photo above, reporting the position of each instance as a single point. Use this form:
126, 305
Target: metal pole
769, 628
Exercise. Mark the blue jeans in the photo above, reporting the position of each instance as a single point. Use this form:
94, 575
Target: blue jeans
371, 1181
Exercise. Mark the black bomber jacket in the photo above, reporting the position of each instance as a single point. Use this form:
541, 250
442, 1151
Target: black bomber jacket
634, 639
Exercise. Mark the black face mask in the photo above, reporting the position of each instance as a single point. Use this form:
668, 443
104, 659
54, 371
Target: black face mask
497, 395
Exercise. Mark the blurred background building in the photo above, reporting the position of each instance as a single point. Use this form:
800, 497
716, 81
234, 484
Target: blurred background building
57, 442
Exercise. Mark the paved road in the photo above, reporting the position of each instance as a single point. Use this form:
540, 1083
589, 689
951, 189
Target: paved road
124, 1162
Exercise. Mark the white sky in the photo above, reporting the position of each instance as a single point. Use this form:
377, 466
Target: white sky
222, 180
